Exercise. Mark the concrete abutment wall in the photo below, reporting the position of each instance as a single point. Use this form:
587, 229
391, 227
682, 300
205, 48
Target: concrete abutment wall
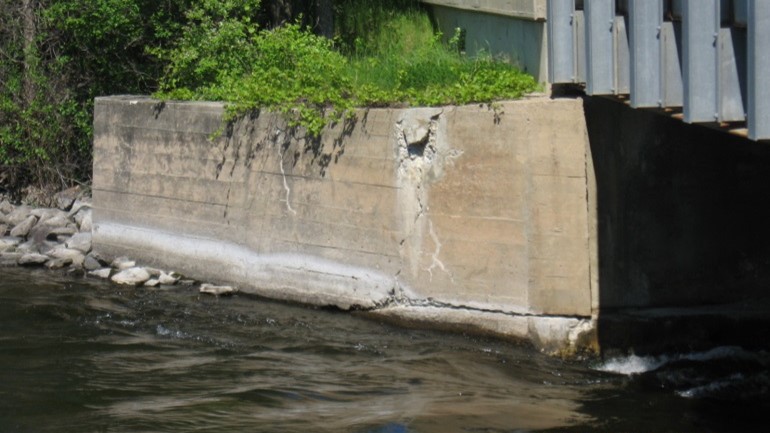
571, 225
465, 217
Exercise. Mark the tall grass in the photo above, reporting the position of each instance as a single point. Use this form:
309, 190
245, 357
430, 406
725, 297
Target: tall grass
404, 61
404, 53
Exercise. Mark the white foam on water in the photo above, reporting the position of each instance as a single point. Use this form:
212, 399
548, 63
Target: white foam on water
633, 364
712, 387
721, 352
165, 332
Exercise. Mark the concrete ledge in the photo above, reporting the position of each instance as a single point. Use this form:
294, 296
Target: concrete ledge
527, 9
560, 336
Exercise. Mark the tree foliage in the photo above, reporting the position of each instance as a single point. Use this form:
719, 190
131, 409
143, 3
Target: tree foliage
54, 64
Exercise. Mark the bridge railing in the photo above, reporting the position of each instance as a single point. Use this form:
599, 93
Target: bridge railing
708, 58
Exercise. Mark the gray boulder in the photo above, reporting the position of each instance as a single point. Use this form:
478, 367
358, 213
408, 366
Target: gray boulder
45, 213
80, 242
56, 221
62, 252
101, 273
91, 264
67, 230
22, 229
152, 282
168, 279
79, 205
84, 220
131, 276
33, 246
98, 257
58, 263
28, 247
121, 263
216, 290
6, 207
66, 198
11, 240
33, 259
18, 215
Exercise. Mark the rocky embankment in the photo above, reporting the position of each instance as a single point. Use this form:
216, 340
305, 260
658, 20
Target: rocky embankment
60, 238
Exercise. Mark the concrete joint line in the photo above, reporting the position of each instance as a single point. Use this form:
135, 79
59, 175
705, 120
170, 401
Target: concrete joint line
436, 304
431, 303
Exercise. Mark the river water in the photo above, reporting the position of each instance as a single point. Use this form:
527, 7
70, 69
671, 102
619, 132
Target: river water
78, 355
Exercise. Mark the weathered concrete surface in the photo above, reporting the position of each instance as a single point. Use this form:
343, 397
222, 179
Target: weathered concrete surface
456, 207
513, 29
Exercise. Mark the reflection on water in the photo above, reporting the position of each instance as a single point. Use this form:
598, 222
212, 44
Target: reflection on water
80, 355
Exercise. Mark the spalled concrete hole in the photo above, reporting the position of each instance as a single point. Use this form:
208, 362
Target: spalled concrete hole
417, 140
417, 150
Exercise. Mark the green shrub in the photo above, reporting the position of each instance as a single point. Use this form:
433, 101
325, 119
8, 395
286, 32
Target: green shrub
287, 69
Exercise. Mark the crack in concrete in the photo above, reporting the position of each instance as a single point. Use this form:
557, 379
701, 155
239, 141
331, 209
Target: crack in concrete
418, 192
399, 298
435, 261
417, 140
227, 204
285, 183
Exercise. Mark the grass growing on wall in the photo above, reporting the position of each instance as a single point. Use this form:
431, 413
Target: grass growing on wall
381, 57
408, 63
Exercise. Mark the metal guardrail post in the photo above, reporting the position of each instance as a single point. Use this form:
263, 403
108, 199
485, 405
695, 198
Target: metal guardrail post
758, 27
561, 60
622, 57
732, 74
671, 65
579, 35
700, 32
645, 19
600, 65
